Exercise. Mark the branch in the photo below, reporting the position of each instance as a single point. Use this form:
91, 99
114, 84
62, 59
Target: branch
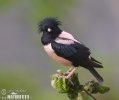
73, 88
89, 94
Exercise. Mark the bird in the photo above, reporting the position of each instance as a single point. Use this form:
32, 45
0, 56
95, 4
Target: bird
62, 47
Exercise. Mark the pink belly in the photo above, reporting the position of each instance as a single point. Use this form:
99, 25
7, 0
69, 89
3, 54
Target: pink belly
52, 54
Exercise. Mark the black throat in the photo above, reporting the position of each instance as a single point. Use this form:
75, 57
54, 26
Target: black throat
50, 37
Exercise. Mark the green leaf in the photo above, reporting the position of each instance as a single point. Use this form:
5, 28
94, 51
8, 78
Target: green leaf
84, 96
103, 89
95, 87
59, 83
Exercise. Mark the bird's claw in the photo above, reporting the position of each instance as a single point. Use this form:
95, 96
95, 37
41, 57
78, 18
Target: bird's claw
64, 77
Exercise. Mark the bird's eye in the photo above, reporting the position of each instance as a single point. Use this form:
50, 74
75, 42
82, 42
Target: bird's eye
49, 29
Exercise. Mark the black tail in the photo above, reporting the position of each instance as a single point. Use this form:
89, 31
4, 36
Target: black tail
94, 63
96, 75
95, 60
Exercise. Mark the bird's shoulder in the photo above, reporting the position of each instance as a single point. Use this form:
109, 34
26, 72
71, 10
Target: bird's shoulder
66, 40
67, 36
68, 50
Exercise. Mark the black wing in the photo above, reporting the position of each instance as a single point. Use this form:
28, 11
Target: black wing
74, 52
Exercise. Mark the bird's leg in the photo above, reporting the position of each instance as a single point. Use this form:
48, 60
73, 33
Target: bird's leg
70, 73
69, 70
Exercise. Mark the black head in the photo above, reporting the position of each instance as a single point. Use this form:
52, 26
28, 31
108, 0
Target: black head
50, 29
49, 24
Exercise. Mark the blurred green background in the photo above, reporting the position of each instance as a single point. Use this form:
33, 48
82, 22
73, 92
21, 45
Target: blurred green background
25, 65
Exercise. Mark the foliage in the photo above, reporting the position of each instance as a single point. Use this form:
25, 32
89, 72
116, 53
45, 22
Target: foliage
73, 88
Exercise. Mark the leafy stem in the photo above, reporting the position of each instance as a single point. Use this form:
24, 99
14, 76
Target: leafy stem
75, 90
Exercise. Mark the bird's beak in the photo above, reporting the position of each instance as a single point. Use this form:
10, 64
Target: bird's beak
49, 29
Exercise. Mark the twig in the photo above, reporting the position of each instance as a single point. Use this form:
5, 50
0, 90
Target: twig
89, 94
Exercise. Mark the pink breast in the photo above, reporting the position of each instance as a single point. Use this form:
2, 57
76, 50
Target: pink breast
52, 54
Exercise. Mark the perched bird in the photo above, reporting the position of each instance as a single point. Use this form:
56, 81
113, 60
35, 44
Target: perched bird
65, 49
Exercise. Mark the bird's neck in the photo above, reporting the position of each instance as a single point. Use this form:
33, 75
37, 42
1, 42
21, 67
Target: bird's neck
50, 37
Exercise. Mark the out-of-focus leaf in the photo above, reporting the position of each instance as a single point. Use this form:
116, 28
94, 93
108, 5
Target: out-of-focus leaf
95, 87
84, 96
103, 89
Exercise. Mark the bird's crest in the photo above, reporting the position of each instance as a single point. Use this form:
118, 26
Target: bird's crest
48, 22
